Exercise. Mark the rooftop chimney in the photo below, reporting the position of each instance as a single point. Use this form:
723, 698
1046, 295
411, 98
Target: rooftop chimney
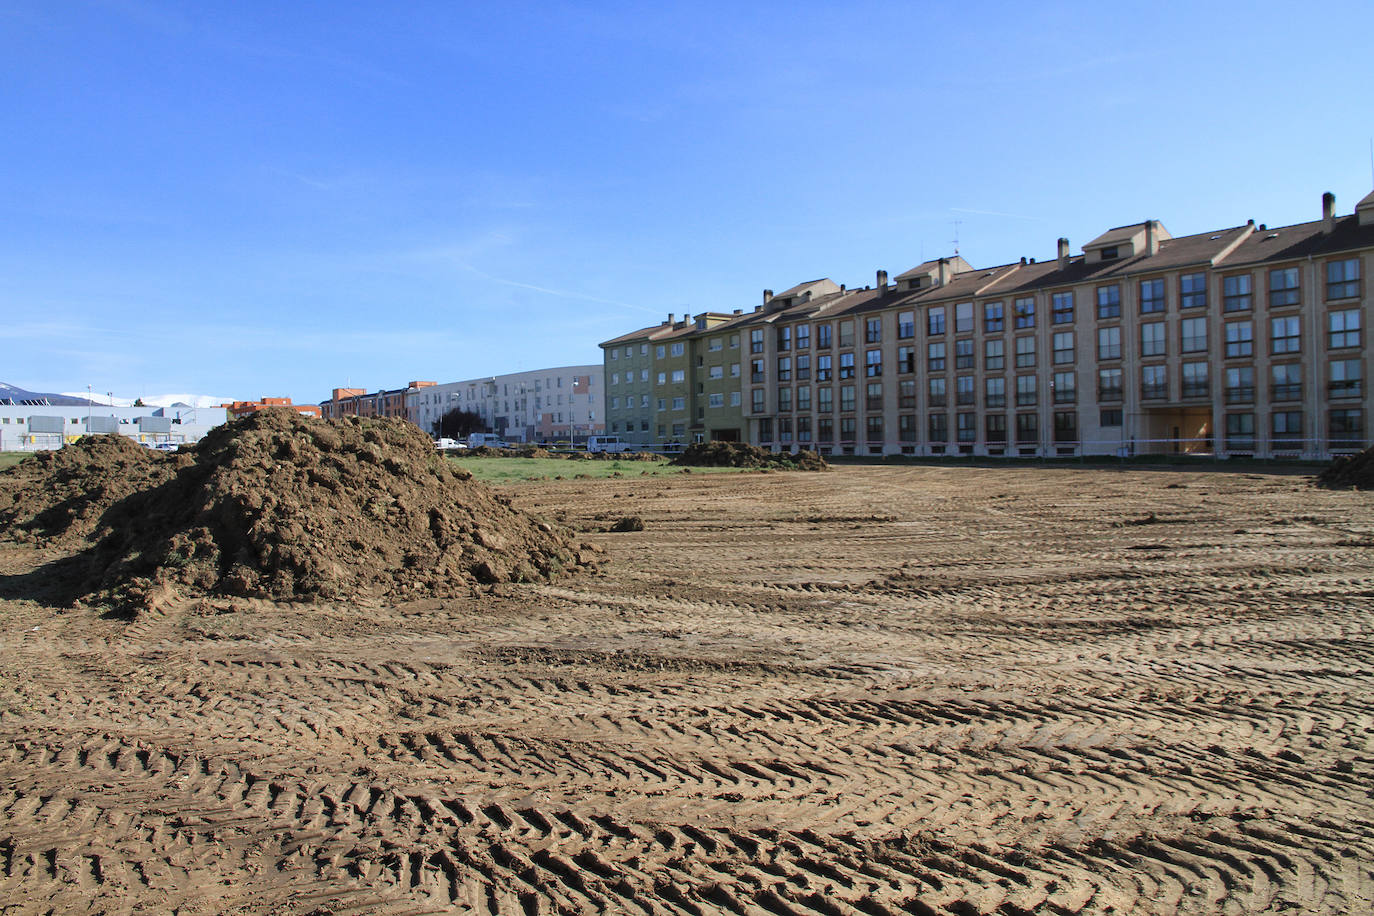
1023, 260
737, 312
882, 281
767, 296
671, 318
1328, 212
944, 272
1151, 238
1063, 253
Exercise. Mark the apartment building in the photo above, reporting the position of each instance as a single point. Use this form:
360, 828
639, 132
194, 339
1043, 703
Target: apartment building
244, 408
563, 403
676, 382
358, 402
1241, 341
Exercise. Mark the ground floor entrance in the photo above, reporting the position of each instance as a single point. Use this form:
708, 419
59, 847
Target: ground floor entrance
1176, 431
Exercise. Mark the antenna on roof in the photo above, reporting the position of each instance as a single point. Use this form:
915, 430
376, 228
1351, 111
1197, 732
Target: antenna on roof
957, 223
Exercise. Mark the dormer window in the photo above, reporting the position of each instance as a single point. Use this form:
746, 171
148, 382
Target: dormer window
1109, 253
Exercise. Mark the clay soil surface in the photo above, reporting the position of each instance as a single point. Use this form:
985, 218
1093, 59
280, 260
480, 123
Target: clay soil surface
872, 690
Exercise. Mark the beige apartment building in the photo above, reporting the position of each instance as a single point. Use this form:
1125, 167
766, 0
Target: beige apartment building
1242, 341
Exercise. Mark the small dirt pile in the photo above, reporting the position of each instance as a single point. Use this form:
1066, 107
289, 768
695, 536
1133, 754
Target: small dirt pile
743, 455
276, 505
1349, 472
58, 497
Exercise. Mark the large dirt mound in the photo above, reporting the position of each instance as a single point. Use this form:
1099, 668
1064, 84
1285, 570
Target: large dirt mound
1349, 472
58, 497
276, 505
743, 455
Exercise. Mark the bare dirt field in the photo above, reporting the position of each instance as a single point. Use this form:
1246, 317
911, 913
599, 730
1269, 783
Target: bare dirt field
873, 690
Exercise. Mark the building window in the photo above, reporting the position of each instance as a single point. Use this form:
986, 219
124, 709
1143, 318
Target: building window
906, 325
784, 399
1285, 428
873, 330
1152, 296
803, 367
963, 354
1283, 287
1235, 293
906, 360
1344, 327
734, 370
906, 394
1284, 335
993, 320
1027, 428
716, 372
963, 318
1025, 352
784, 339
615, 403
803, 336
823, 371
938, 393
995, 392
846, 398
1240, 385
1194, 335
1240, 432
803, 397
1285, 382
1109, 343
734, 341
847, 333
1239, 339
715, 399
825, 429
994, 353
968, 427
873, 363
1154, 383
756, 340
1345, 427
765, 429
679, 376
1345, 378
847, 429
784, 368
1192, 289
1062, 308
825, 399
1109, 384
615, 354
756, 400
846, 365
823, 336
1025, 312
1026, 390
906, 428
1152, 339
937, 427
756, 370
1343, 279
677, 349
1109, 301
1065, 386
734, 399
1109, 416
935, 321
1195, 383
995, 427
714, 345
679, 403
1065, 426
1063, 347
963, 390
935, 356
803, 429
873, 396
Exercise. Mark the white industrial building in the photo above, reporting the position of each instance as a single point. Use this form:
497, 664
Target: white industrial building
561, 403
27, 427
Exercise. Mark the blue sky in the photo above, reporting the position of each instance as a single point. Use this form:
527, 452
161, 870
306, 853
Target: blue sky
252, 199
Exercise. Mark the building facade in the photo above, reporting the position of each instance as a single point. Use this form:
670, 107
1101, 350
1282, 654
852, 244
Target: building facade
560, 404
1241, 341
30, 428
357, 402
244, 408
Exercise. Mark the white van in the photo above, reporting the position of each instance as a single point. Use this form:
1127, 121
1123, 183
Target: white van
611, 444
490, 440
447, 445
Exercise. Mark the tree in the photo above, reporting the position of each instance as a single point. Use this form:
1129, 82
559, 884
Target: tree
458, 423
138, 402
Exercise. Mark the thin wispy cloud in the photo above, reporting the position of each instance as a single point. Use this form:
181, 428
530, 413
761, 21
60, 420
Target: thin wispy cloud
560, 293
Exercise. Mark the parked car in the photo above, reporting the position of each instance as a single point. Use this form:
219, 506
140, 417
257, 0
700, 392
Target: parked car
490, 440
611, 444
446, 445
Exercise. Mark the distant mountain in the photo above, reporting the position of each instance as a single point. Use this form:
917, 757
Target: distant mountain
10, 394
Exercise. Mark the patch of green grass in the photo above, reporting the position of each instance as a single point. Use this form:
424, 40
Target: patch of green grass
10, 459
507, 470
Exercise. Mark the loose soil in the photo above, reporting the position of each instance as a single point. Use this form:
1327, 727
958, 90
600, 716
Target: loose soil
879, 690
743, 455
1350, 472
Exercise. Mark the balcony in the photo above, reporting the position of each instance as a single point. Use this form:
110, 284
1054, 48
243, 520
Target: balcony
1197, 390
1285, 392
1240, 394
1154, 392
1350, 388
1109, 393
